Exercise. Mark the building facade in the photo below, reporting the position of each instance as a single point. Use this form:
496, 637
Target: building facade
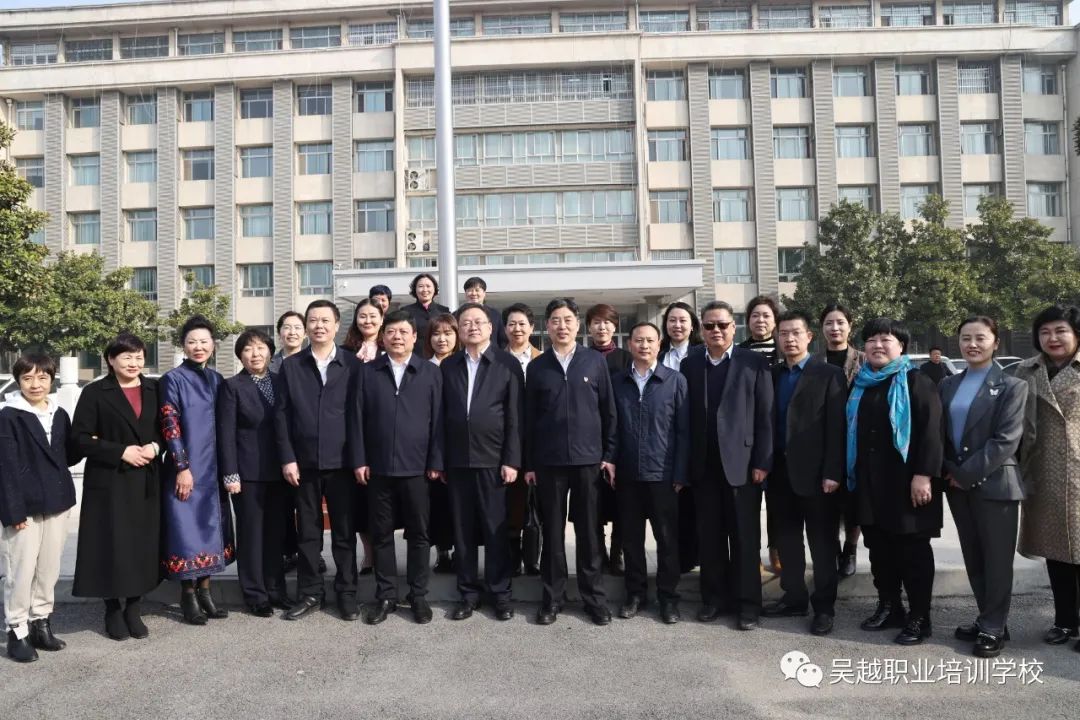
634, 153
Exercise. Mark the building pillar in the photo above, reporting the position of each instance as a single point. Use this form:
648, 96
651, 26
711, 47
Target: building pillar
952, 188
888, 143
697, 93
168, 106
56, 179
1011, 96
284, 272
225, 206
768, 282
112, 169
824, 135
343, 172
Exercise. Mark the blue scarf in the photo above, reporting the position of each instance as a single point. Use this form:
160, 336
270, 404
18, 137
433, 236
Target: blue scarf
899, 408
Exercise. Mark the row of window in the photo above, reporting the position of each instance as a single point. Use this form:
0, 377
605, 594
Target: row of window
529, 208
255, 280
527, 148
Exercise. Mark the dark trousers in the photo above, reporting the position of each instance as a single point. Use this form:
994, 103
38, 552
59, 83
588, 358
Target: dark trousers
337, 486
729, 543
905, 561
408, 498
440, 518
290, 544
820, 514
259, 536
1065, 585
658, 503
987, 531
582, 483
478, 508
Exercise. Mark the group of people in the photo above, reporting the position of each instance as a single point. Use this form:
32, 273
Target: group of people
456, 428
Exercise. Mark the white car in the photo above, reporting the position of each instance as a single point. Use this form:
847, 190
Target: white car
953, 366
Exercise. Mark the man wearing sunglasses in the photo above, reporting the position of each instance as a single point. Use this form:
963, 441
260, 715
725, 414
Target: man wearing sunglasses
731, 393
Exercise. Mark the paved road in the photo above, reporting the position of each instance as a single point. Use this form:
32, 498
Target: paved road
246, 667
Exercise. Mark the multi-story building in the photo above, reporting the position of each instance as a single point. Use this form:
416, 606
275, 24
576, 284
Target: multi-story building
634, 153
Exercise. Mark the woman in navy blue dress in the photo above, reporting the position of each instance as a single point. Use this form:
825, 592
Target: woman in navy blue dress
197, 533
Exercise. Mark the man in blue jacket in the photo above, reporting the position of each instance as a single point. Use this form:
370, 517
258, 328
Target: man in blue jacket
570, 442
653, 424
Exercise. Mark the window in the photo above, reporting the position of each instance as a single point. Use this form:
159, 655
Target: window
421, 151
914, 80
669, 206
727, 84
977, 78
1041, 79
664, 21
729, 144
198, 164
524, 86
199, 106
85, 169
316, 218
667, 145
976, 12
1044, 200
37, 237
973, 194
731, 205
423, 262
257, 161
784, 17
425, 27
86, 228
686, 254
32, 170
30, 115
1041, 138
851, 81
517, 24
256, 221
422, 213
860, 195
844, 16
87, 50
854, 141
142, 225
374, 216
198, 223
314, 99
316, 278
144, 47
201, 43
979, 138
723, 19
596, 145
374, 263
666, 84
141, 110
85, 112
791, 142
788, 82
257, 103
465, 149
917, 140
315, 37
256, 280
734, 266
1033, 12
141, 166
144, 282
375, 96
256, 40
201, 276
509, 209
600, 206
592, 22
315, 158
382, 33
907, 15
789, 263
34, 53
911, 199
374, 156
794, 204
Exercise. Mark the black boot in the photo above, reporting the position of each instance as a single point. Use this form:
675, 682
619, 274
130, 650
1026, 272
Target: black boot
20, 650
206, 602
193, 615
41, 636
115, 627
530, 550
133, 618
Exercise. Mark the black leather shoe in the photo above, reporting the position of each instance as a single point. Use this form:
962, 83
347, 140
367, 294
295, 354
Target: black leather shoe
348, 608
885, 616
846, 563
20, 650
263, 610
464, 610
133, 620
115, 627
380, 610
189, 606
1059, 635
421, 611
504, 612
616, 566
206, 602
708, 613
600, 615
988, 646
747, 622
669, 612
781, 609
822, 624
630, 608
970, 632
548, 614
281, 601
42, 638
304, 607
916, 630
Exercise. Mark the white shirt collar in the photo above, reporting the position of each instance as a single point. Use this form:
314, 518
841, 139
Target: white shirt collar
717, 361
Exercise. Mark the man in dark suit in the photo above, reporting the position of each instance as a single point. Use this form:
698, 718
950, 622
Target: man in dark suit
311, 437
397, 449
570, 440
476, 292
483, 397
808, 464
731, 454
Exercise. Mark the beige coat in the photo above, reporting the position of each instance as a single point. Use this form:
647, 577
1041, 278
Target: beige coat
1050, 457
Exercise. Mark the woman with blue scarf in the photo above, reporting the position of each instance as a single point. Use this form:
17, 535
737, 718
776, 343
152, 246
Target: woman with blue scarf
894, 455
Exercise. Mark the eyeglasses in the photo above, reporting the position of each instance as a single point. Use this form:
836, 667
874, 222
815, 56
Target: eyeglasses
466, 324
717, 325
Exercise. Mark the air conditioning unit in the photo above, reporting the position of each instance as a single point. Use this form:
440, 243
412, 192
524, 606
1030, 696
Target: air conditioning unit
418, 241
417, 180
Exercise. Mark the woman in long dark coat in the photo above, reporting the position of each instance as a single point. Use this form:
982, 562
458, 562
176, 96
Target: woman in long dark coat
115, 428
197, 533
894, 455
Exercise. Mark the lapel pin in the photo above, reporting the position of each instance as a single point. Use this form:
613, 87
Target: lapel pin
586, 378
994, 392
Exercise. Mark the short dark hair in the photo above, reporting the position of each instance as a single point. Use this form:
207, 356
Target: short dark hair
982, 320
1055, 313
717, 305
315, 304
418, 278
286, 315
441, 320
30, 361
124, 342
834, 307
558, 304
470, 306
380, 290
936, 348
695, 323
195, 322
250, 336
603, 311
887, 326
475, 282
762, 300
399, 316
644, 323
519, 308
790, 315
